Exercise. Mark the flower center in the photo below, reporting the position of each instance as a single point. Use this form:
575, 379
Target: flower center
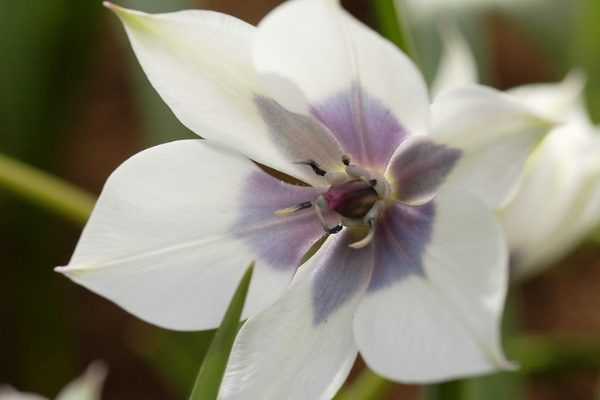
352, 199
355, 197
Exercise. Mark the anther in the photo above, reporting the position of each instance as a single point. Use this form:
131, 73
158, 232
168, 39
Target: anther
315, 167
290, 210
320, 205
373, 182
335, 229
345, 160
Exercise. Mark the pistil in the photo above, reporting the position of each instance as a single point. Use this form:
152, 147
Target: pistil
356, 196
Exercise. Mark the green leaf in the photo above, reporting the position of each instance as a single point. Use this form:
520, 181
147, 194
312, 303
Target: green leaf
585, 54
173, 354
391, 23
211, 372
499, 386
453, 390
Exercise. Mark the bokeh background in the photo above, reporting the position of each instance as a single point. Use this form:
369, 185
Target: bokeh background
74, 102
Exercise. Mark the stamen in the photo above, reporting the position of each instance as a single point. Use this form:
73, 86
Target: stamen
291, 210
358, 172
345, 160
367, 239
370, 219
314, 165
335, 229
336, 178
319, 205
381, 187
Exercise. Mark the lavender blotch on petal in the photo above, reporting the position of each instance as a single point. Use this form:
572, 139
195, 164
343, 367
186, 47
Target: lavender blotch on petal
301, 137
400, 241
344, 276
366, 129
281, 242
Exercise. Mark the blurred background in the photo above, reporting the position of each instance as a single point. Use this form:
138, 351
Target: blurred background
74, 102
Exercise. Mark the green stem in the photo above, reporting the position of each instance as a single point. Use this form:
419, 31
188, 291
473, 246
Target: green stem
214, 364
453, 390
45, 190
392, 24
543, 354
367, 386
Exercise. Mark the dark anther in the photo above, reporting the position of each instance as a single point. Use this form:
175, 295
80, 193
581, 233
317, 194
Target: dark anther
302, 206
373, 182
315, 167
335, 229
346, 160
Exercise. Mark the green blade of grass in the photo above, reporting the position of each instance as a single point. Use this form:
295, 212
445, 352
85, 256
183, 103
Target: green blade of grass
211, 372
46, 190
391, 23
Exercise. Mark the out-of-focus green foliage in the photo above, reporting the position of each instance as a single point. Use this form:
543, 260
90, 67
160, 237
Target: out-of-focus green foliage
586, 51
45, 190
213, 366
44, 47
174, 354
367, 386
393, 25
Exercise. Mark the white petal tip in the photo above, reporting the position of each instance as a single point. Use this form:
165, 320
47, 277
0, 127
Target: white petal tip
60, 270
507, 365
125, 14
113, 7
98, 370
69, 270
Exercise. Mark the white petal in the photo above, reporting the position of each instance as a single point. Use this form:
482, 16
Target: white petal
303, 347
441, 322
556, 101
10, 393
496, 134
176, 226
457, 66
86, 387
200, 62
326, 52
557, 203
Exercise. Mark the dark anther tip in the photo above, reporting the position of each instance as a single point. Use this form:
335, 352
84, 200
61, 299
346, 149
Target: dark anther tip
346, 160
335, 229
373, 182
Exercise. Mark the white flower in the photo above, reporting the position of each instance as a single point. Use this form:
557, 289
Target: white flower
86, 387
558, 201
413, 270
426, 9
